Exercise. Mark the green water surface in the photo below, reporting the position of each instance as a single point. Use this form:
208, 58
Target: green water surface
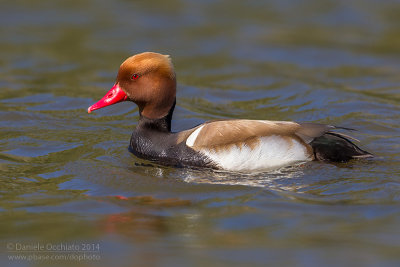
335, 62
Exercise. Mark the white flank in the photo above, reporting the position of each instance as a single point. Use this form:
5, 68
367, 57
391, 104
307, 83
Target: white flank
193, 136
272, 152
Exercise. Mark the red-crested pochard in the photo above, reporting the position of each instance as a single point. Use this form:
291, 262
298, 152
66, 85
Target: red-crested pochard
149, 80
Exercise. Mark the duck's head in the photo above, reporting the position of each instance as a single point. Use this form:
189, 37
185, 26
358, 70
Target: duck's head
148, 79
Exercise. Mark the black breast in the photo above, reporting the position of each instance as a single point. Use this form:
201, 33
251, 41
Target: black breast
162, 148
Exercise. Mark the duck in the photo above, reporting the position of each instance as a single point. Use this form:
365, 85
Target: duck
240, 145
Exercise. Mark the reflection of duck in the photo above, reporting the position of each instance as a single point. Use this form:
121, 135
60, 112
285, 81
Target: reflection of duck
139, 218
148, 79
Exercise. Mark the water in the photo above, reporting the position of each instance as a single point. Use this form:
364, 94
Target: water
68, 178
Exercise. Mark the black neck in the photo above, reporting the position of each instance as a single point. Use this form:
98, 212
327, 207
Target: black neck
162, 124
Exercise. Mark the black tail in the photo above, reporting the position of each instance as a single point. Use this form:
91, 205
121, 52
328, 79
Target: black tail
337, 147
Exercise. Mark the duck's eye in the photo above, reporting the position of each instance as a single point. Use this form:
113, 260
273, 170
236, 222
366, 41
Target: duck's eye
134, 76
